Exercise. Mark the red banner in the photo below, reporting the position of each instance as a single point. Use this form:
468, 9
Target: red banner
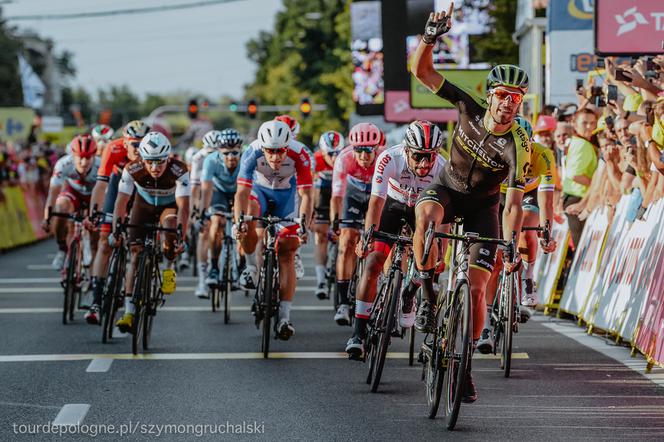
629, 27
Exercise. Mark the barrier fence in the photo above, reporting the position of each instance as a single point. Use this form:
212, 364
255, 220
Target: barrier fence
20, 217
615, 283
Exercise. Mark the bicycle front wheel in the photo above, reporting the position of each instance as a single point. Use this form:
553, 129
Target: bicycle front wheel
386, 328
226, 284
266, 300
140, 298
457, 353
508, 298
70, 283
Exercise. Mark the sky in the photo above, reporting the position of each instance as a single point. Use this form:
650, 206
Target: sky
200, 50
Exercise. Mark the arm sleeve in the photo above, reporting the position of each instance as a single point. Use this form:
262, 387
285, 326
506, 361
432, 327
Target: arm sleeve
182, 186
57, 179
196, 169
106, 167
247, 167
339, 177
456, 95
549, 173
385, 168
126, 185
303, 170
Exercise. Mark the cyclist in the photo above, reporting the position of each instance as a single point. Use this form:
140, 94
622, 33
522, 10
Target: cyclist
102, 135
73, 178
116, 155
351, 188
402, 172
162, 191
218, 185
271, 170
294, 126
329, 146
487, 148
211, 142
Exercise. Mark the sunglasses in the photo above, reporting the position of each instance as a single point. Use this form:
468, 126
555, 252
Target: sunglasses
363, 149
279, 151
155, 162
419, 156
135, 144
230, 153
502, 95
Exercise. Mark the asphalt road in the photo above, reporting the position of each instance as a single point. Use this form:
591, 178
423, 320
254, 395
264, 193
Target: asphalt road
202, 372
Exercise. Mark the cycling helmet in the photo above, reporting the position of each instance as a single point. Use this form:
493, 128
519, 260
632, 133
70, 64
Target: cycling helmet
231, 138
545, 123
135, 129
508, 75
424, 136
212, 140
154, 146
292, 123
331, 142
383, 140
525, 125
83, 146
365, 134
101, 132
274, 134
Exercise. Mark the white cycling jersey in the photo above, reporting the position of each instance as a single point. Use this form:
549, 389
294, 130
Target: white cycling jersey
65, 172
393, 178
196, 168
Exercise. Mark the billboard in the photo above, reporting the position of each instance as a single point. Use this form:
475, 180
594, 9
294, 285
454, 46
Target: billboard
473, 80
629, 27
368, 58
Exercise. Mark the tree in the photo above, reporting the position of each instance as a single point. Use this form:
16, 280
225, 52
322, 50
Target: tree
498, 47
122, 101
11, 92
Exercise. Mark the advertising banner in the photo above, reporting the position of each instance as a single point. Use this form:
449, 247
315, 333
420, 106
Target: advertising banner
473, 80
15, 123
569, 15
551, 264
625, 27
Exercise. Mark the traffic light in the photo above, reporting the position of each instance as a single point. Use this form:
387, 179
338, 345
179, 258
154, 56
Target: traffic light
305, 107
232, 106
192, 109
252, 109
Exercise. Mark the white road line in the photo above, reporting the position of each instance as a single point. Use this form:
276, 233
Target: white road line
39, 267
20, 404
71, 414
207, 356
240, 308
100, 365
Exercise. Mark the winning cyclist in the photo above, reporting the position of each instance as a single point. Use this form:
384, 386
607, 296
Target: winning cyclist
218, 185
351, 188
329, 146
115, 156
402, 173
162, 197
488, 147
211, 142
74, 176
271, 170
102, 135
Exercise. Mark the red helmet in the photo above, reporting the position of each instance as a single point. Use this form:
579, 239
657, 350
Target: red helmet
365, 134
292, 123
424, 136
83, 146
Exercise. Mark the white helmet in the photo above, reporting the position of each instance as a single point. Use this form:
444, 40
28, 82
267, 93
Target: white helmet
212, 139
274, 134
154, 146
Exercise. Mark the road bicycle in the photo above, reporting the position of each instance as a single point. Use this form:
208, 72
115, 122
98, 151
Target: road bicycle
113, 294
228, 270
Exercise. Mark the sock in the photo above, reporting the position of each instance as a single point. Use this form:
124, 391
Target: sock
427, 285
251, 259
284, 310
362, 312
487, 317
97, 289
529, 268
202, 271
342, 290
129, 305
214, 263
320, 273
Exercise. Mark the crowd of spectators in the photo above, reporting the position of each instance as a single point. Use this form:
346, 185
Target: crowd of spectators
28, 165
610, 142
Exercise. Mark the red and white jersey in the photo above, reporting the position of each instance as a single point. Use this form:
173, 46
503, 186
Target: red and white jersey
196, 165
348, 171
65, 172
394, 178
295, 170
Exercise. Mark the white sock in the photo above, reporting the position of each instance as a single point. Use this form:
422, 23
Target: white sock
284, 310
529, 268
202, 271
251, 259
129, 305
320, 273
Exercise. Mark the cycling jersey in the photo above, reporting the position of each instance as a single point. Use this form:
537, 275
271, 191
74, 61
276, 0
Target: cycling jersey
196, 165
215, 170
479, 159
189, 154
542, 173
295, 170
323, 171
348, 171
65, 173
113, 159
162, 191
394, 178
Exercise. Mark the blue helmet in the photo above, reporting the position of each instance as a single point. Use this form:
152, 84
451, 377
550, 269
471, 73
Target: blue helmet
230, 138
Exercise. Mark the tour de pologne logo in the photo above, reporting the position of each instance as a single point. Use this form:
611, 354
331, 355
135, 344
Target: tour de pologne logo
629, 20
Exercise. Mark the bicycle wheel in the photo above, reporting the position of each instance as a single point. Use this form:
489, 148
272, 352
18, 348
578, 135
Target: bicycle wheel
70, 283
150, 310
373, 327
193, 252
508, 299
266, 299
433, 373
226, 285
139, 298
111, 294
387, 326
456, 354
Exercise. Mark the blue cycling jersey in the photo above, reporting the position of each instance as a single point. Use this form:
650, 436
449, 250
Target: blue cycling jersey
215, 170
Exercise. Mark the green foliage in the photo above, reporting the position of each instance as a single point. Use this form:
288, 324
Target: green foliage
11, 92
306, 55
498, 47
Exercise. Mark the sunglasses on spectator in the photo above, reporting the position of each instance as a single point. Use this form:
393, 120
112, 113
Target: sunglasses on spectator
279, 151
230, 153
502, 94
363, 149
419, 156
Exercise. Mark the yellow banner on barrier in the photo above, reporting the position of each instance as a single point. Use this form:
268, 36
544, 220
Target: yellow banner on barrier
15, 226
15, 123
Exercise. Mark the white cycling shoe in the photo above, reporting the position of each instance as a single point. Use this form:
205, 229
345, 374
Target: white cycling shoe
248, 278
58, 260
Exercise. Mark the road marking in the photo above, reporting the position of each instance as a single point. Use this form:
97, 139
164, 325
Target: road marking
179, 290
71, 414
20, 404
207, 356
240, 308
40, 267
100, 365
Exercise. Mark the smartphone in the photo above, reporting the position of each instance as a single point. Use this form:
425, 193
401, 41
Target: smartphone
609, 122
620, 76
612, 93
599, 101
579, 83
600, 63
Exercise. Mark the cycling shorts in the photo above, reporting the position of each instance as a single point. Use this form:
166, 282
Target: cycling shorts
80, 201
322, 206
221, 202
109, 201
275, 202
145, 213
480, 215
394, 212
530, 201
355, 206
